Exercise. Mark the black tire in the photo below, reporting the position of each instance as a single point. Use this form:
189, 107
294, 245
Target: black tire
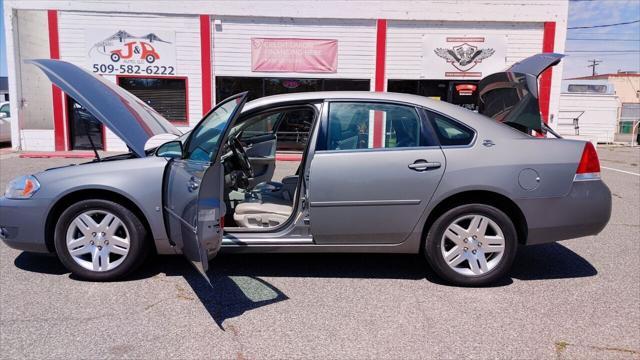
138, 247
433, 245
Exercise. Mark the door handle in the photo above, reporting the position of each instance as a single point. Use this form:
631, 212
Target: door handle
193, 184
424, 165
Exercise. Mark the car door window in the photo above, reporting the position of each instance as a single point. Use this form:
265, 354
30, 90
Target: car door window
259, 125
203, 143
294, 129
449, 131
5, 109
362, 125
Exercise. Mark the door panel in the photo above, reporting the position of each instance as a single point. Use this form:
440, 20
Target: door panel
183, 180
193, 187
373, 175
262, 156
370, 196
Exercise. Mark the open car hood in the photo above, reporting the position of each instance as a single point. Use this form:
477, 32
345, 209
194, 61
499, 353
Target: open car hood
123, 113
511, 97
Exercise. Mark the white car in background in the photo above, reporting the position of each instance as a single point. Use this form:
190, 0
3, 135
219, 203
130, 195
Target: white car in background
5, 122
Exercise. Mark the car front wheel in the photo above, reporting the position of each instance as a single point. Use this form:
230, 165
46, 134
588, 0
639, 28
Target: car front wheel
471, 245
100, 240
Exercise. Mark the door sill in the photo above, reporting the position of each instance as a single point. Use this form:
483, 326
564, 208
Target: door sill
234, 241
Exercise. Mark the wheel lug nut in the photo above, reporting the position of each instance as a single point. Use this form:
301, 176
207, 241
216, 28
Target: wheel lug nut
473, 251
479, 244
93, 234
474, 237
106, 242
92, 242
466, 240
465, 249
99, 247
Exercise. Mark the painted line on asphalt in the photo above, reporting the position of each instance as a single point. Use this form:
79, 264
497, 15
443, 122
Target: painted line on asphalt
622, 171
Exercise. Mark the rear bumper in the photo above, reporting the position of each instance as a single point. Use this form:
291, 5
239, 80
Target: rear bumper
584, 211
22, 223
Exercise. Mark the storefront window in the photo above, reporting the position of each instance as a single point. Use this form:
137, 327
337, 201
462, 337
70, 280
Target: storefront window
259, 87
84, 128
167, 96
286, 86
459, 92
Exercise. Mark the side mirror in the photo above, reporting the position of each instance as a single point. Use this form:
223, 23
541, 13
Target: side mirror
171, 149
3, 115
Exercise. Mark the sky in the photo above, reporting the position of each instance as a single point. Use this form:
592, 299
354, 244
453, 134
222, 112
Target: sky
581, 13
3, 49
624, 38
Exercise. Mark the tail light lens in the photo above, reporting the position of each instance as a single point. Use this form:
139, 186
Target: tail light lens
589, 167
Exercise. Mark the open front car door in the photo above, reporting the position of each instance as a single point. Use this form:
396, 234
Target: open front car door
193, 199
511, 97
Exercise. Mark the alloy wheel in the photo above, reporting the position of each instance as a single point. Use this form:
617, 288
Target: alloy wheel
98, 240
472, 245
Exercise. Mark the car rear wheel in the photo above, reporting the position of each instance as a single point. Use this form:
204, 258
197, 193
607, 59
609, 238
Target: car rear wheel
100, 240
471, 245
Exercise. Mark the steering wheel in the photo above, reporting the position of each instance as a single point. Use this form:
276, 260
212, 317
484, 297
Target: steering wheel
241, 157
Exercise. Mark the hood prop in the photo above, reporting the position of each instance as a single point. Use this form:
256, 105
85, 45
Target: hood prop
93, 145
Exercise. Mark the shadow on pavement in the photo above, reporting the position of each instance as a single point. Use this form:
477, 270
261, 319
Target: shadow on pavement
550, 261
237, 287
40, 263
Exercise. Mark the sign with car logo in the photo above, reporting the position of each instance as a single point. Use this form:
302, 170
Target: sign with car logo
463, 57
131, 52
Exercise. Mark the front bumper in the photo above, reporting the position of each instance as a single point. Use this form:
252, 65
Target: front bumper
22, 223
585, 211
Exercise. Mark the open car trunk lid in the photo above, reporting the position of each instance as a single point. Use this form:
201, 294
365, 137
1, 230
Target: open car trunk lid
123, 113
511, 97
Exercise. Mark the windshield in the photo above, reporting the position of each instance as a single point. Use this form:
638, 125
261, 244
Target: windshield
204, 141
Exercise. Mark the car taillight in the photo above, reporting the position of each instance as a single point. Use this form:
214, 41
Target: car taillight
589, 167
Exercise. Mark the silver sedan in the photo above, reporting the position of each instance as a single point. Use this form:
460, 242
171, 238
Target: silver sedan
380, 172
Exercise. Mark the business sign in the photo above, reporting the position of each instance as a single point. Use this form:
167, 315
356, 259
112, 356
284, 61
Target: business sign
463, 57
294, 55
135, 52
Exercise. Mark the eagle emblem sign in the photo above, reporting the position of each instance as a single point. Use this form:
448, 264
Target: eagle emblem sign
464, 57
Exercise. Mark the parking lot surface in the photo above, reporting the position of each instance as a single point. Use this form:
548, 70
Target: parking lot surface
574, 299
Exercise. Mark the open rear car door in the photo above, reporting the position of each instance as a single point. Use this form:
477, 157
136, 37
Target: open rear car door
511, 97
193, 184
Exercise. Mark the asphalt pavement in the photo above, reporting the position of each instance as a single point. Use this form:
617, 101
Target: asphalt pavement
575, 299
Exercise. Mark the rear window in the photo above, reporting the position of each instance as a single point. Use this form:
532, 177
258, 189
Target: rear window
449, 131
586, 88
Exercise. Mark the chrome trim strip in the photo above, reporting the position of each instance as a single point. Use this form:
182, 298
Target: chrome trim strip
234, 241
587, 177
365, 203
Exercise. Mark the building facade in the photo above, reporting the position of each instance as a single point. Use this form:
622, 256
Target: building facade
183, 57
627, 88
588, 110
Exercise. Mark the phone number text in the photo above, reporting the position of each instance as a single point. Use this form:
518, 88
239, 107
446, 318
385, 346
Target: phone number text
133, 69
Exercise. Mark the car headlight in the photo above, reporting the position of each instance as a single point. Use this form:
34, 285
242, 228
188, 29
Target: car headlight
22, 187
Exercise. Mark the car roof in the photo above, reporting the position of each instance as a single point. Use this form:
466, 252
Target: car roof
340, 95
473, 119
